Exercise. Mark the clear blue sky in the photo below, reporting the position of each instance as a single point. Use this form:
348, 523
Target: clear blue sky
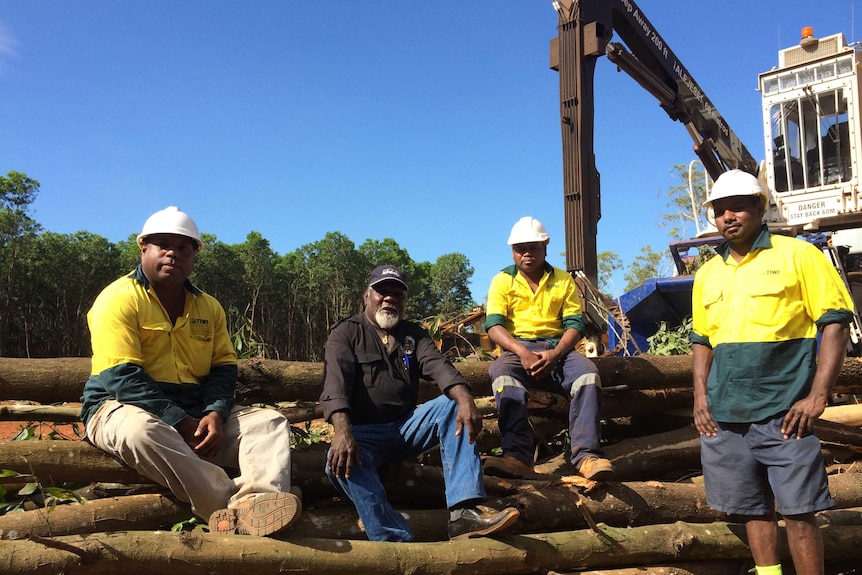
434, 123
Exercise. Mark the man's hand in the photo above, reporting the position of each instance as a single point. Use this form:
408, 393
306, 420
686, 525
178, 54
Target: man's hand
703, 418
468, 416
529, 360
203, 435
802, 416
343, 451
701, 364
209, 433
546, 362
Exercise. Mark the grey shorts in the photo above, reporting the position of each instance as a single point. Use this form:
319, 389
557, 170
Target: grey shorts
750, 469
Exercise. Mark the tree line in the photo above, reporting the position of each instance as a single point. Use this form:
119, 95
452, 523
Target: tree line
279, 306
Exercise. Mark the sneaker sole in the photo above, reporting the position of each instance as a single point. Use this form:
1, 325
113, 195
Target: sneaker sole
510, 519
269, 513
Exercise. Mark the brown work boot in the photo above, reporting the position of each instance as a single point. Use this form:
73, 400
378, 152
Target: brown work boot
261, 515
596, 469
506, 466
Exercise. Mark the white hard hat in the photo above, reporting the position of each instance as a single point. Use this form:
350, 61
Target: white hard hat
735, 183
171, 220
528, 230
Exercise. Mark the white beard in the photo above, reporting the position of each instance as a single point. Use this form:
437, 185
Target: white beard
387, 319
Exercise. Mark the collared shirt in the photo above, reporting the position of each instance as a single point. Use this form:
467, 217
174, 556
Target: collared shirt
761, 316
375, 384
541, 315
170, 369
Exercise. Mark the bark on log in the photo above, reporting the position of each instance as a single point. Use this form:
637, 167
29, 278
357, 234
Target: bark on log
729, 567
194, 553
132, 512
55, 413
547, 502
666, 454
60, 380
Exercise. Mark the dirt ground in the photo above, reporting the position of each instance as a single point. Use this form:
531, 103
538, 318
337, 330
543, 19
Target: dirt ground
10, 429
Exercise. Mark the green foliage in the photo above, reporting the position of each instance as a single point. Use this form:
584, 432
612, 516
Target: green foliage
48, 282
45, 496
305, 436
608, 264
647, 264
450, 277
187, 525
668, 341
246, 341
686, 214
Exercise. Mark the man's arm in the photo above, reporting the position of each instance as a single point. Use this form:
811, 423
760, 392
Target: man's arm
218, 390
343, 451
338, 376
803, 414
701, 364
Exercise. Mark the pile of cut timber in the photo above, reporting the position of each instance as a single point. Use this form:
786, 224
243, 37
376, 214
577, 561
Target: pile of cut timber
652, 518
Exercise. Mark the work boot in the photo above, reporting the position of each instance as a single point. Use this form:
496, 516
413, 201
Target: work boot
596, 469
473, 522
506, 466
260, 515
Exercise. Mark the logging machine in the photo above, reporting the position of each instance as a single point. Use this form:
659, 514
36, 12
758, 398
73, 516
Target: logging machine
813, 156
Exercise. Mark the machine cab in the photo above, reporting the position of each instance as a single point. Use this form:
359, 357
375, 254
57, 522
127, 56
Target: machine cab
811, 134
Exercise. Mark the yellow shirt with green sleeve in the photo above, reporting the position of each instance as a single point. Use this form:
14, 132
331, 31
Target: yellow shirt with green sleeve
140, 358
543, 315
761, 316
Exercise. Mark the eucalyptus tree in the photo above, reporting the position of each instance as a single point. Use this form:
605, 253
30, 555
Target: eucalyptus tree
450, 284
17, 232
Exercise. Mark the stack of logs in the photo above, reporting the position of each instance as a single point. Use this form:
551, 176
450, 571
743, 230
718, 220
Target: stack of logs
653, 518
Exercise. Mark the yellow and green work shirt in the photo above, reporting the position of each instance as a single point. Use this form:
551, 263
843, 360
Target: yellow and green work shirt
543, 315
760, 316
141, 358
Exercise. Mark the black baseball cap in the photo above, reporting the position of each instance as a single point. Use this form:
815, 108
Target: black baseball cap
387, 273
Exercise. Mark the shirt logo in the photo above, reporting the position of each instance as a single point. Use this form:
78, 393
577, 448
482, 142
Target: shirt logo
198, 321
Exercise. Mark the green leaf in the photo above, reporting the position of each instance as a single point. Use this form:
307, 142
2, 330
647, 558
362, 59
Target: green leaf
28, 489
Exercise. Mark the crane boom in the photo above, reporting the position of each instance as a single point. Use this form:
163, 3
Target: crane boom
584, 32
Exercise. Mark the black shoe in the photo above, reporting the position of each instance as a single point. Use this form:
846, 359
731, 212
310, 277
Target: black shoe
472, 522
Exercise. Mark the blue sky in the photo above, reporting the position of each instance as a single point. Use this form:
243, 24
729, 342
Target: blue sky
434, 123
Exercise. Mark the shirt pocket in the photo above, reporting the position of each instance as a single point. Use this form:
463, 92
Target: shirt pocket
155, 338
713, 304
372, 365
764, 300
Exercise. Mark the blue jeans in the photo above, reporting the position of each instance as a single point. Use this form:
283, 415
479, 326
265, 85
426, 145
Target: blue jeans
431, 424
579, 379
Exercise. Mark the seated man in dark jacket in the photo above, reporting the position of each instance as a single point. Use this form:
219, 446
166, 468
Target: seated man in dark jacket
372, 367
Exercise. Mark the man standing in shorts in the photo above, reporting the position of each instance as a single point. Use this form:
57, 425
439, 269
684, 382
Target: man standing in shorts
759, 385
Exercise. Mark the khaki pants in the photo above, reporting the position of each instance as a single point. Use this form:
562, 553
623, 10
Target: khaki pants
256, 441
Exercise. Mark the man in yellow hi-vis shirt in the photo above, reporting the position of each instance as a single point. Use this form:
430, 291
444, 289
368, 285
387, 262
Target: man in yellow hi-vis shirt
161, 391
759, 386
534, 315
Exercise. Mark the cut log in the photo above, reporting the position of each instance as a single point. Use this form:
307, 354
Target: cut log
194, 553
850, 415
641, 458
55, 413
729, 567
547, 503
61, 380
131, 512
